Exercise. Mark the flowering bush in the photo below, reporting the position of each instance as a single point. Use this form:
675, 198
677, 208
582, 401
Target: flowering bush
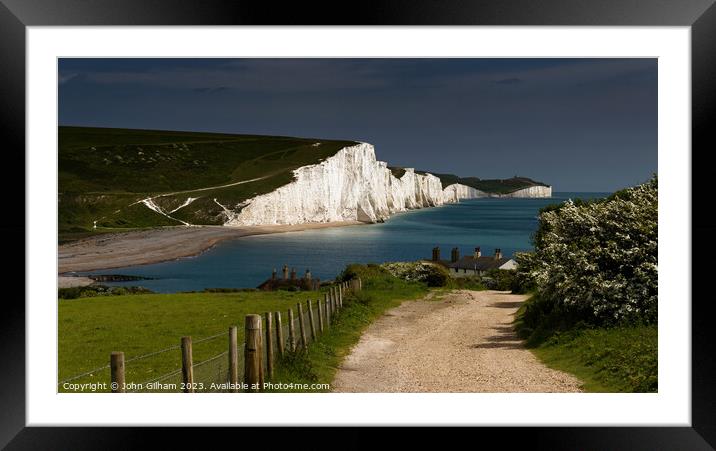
432, 275
599, 258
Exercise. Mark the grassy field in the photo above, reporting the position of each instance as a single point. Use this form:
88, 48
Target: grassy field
102, 172
381, 292
614, 359
90, 329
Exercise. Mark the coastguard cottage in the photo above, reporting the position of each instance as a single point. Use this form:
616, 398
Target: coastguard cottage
307, 282
475, 264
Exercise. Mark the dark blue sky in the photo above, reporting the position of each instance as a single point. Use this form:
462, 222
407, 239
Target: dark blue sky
578, 124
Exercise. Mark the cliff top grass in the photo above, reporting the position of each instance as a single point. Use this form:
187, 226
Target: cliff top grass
103, 171
141, 161
494, 186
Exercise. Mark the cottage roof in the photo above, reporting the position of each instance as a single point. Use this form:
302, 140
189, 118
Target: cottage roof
480, 263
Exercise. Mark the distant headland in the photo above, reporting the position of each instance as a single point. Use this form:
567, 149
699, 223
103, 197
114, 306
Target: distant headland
119, 179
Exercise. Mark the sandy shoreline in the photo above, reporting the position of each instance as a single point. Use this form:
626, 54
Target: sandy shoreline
144, 247
73, 281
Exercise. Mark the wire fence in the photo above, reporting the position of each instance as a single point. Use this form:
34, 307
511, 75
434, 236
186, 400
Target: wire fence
199, 368
212, 369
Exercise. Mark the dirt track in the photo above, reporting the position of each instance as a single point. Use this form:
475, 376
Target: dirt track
463, 342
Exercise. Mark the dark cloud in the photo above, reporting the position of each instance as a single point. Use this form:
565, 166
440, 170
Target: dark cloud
563, 121
509, 81
211, 90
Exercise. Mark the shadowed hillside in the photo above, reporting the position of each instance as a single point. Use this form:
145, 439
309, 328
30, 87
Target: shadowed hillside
104, 174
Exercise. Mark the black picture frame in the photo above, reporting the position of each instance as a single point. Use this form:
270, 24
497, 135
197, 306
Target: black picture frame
700, 15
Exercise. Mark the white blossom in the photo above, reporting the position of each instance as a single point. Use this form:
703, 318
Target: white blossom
600, 256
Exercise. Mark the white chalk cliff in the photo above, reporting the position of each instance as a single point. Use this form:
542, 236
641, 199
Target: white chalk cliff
532, 191
348, 186
457, 192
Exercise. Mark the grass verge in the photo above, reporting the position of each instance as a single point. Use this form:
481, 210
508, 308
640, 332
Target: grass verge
613, 359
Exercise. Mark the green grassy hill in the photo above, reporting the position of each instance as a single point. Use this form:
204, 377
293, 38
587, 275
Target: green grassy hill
496, 186
104, 172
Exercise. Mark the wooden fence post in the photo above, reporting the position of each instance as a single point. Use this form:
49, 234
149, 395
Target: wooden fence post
269, 345
187, 365
333, 300
302, 326
328, 311
320, 315
252, 352
279, 334
340, 295
116, 364
291, 332
311, 320
261, 354
233, 360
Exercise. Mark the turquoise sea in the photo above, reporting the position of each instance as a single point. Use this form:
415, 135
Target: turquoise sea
490, 223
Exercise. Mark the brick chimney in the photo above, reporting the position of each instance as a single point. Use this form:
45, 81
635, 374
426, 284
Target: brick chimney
498, 254
477, 254
285, 272
455, 255
273, 274
293, 273
308, 274
436, 254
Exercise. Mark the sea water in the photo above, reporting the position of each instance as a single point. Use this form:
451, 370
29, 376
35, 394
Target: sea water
490, 223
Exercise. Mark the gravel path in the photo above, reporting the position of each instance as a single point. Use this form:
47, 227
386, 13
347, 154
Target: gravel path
462, 342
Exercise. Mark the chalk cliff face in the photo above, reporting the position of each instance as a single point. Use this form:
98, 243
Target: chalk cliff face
532, 191
457, 192
351, 186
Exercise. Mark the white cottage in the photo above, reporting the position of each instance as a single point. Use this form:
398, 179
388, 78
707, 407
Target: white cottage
477, 265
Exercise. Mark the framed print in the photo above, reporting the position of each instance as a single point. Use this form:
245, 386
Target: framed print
418, 214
